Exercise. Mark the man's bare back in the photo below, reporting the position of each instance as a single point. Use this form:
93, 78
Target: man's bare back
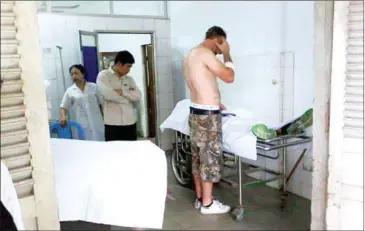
200, 80
201, 69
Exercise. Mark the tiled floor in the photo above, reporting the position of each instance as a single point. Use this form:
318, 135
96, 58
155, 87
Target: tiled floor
262, 211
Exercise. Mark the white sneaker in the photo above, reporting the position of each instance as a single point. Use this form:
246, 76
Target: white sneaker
197, 204
215, 208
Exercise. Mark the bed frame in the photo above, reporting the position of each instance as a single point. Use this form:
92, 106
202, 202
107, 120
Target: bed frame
181, 165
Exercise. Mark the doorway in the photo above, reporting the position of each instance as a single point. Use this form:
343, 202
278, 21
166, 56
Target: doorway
106, 45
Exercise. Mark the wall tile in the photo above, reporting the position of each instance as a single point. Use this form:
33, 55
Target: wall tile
163, 47
306, 185
125, 24
165, 84
164, 113
288, 80
272, 164
92, 23
164, 78
295, 179
45, 25
308, 161
162, 28
149, 24
58, 31
166, 101
51, 88
288, 115
72, 28
287, 60
304, 90
164, 65
303, 58
61, 88
55, 109
49, 67
288, 106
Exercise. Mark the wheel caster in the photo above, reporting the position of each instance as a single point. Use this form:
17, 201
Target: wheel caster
237, 214
283, 205
283, 200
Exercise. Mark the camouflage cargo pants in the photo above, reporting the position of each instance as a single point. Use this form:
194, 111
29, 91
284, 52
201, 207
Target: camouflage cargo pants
206, 146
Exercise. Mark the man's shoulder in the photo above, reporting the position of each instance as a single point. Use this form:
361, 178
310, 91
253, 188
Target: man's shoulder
129, 78
199, 51
105, 72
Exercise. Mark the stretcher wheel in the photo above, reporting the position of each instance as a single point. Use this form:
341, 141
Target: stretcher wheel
237, 214
181, 167
283, 200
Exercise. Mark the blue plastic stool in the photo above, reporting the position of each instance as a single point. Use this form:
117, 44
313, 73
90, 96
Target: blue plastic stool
66, 132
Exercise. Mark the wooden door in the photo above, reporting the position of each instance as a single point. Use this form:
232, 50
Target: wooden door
150, 89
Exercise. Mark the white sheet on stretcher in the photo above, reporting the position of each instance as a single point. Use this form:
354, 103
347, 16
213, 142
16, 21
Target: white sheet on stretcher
113, 183
236, 130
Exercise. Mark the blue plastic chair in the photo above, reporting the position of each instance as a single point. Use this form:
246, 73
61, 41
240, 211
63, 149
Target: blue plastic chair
66, 132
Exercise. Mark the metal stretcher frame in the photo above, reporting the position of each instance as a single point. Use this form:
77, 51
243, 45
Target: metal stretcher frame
181, 165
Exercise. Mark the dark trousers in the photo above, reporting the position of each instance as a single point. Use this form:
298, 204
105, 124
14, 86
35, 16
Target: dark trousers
126, 132
6, 220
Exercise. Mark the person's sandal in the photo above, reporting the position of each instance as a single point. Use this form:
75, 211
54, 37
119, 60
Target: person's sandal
262, 132
305, 121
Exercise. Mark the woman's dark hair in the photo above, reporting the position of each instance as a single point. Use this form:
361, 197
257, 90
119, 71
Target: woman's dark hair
214, 32
80, 67
124, 57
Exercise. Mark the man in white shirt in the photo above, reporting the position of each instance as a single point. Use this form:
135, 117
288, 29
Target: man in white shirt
120, 92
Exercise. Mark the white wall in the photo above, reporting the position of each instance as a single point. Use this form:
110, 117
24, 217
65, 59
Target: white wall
150, 8
269, 41
147, 8
63, 30
85, 7
132, 43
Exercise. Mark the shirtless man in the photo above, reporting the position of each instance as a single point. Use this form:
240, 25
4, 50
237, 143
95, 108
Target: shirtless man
201, 69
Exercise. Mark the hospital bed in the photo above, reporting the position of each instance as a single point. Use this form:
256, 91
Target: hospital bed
113, 183
181, 156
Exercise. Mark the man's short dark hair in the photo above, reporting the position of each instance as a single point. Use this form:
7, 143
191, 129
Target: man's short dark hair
124, 57
214, 32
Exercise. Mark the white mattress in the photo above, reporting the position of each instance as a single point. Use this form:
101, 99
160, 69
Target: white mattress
237, 136
236, 130
114, 183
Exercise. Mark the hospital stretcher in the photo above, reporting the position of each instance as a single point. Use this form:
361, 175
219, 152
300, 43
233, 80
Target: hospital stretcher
181, 164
